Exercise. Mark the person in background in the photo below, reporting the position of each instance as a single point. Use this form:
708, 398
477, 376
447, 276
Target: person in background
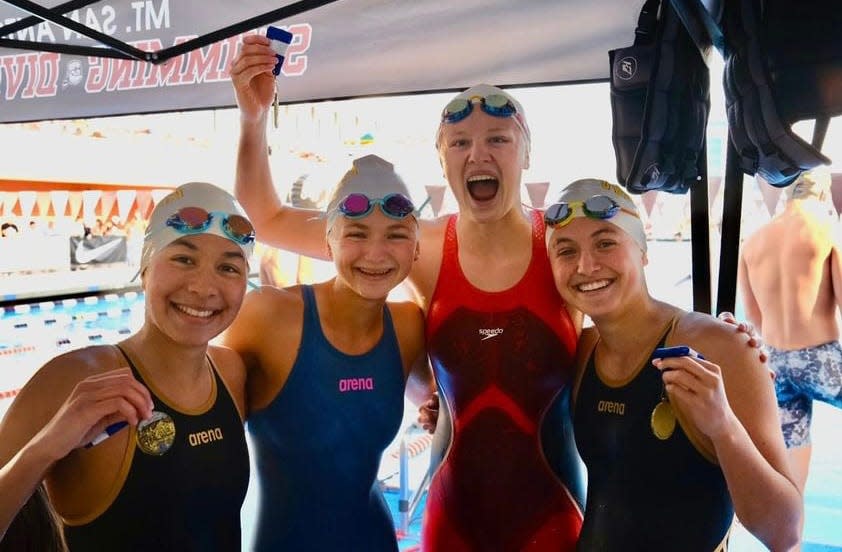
673, 446
327, 375
36, 528
175, 478
9, 229
790, 278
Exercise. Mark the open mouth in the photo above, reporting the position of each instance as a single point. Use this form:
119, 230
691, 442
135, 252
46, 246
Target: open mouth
483, 188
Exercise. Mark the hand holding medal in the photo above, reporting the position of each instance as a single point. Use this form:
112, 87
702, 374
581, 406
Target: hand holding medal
662, 419
154, 436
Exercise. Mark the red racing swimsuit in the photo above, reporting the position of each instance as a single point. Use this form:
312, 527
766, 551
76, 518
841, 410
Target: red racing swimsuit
510, 479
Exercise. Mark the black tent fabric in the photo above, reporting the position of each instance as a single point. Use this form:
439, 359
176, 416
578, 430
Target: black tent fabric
340, 49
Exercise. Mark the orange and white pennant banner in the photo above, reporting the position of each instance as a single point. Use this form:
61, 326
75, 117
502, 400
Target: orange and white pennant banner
42, 199
537, 193
27, 203
436, 194
90, 198
144, 203
106, 204
59, 200
125, 200
75, 201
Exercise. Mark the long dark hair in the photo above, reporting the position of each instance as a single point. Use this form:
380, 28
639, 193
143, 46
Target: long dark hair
36, 528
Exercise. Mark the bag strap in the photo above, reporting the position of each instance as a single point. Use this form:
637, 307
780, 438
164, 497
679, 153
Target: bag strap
647, 23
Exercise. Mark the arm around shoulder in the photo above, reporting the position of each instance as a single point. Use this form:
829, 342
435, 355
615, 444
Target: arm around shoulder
409, 327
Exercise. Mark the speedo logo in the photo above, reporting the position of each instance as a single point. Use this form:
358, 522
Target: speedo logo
488, 333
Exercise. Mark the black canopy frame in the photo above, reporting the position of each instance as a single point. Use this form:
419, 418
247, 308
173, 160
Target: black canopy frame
119, 49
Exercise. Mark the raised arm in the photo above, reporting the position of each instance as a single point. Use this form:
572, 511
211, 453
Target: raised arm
298, 230
730, 400
39, 429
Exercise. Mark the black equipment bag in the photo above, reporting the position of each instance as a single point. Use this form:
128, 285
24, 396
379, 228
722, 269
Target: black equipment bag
660, 103
762, 138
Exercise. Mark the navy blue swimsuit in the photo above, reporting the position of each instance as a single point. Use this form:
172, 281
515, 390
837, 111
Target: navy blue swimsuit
318, 445
187, 499
644, 494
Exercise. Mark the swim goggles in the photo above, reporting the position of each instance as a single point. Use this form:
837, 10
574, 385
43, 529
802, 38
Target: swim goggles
195, 220
596, 207
496, 105
357, 205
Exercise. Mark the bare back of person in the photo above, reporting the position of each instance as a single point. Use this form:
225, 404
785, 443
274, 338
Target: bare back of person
787, 265
790, 276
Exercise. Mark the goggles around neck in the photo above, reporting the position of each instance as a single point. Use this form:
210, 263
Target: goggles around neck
357, 205
495, 105
596, 207
195, 220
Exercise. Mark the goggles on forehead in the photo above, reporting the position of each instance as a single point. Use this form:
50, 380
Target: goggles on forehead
597, 207
195, 220
496, 105
396, 206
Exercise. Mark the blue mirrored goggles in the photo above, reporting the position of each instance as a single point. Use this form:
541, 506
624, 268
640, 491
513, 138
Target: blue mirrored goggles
357, 205
195, 220
597, 207
495, 105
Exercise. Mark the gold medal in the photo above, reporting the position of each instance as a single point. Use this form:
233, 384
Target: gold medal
663, 420
155, 436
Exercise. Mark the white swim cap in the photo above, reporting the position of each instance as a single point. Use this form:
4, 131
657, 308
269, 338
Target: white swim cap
474, 93
627, 218
164, 228
371, 176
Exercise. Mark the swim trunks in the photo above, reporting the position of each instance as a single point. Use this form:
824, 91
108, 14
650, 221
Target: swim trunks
802, 376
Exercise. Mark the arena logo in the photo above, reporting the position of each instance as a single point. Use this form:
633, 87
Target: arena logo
356, 384
205, 437
611, 407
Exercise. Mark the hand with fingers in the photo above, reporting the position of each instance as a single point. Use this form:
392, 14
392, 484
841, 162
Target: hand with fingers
754, 339
96, 402
251, 74
694, 385
428, 413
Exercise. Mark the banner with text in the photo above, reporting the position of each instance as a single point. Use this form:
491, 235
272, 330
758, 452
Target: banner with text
344, 49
